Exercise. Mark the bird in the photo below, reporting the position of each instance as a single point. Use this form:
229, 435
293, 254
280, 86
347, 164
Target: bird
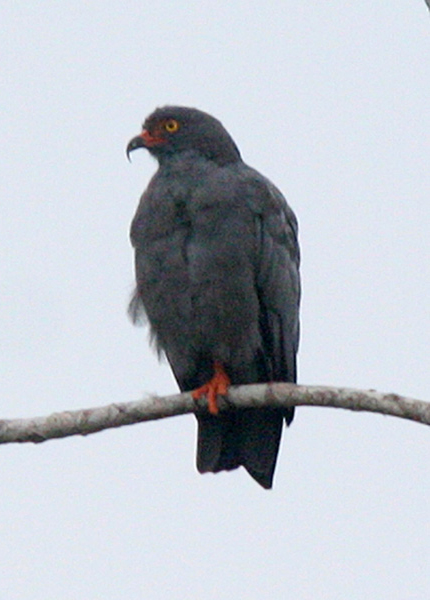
217, 280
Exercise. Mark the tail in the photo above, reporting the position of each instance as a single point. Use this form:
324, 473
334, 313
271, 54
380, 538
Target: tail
242, 437
247, 437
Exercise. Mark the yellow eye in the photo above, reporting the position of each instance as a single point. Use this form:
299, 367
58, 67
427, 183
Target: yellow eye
171, 125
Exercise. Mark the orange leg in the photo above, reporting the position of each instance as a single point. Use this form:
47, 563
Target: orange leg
218, 385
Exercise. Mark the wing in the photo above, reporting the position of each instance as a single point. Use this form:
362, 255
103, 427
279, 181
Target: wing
277, 278
248, 437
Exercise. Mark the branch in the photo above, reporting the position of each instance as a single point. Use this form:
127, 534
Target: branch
91, 420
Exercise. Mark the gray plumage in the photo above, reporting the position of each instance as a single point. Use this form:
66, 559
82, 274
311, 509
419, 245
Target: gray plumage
217, 277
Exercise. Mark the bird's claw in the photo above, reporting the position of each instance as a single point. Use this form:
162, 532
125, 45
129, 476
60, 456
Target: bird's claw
217, 386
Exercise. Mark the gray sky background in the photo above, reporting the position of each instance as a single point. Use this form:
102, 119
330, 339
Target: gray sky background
329, 100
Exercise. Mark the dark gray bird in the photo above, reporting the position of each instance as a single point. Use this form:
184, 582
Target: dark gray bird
217, 277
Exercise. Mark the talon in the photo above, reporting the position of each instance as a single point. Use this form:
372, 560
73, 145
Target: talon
217, 386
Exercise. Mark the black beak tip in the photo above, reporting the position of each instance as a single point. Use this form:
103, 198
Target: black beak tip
136, 142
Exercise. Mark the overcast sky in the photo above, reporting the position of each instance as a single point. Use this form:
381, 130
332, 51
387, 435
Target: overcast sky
331, 101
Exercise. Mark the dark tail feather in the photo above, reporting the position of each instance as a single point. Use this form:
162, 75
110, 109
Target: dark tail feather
217, 443
259, 444
246, 437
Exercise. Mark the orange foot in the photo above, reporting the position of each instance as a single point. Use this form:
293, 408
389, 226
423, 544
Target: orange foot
218, 385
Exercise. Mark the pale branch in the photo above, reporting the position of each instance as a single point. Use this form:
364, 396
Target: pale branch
91, 420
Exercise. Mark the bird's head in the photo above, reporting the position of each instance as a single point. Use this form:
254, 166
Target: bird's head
174, 129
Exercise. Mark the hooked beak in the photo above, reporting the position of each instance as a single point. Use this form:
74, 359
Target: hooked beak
136, 142
143, 140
